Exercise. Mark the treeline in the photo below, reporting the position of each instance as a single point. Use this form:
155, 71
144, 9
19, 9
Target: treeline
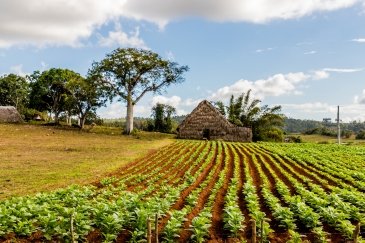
324, 128
62, 93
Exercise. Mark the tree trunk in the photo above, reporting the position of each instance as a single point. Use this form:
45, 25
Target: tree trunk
56, 119
82, 121
129, 118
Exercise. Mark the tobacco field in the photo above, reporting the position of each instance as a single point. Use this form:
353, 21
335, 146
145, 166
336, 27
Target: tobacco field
206, 192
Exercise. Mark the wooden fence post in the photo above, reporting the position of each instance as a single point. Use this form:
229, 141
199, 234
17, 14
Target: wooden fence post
72, 228
148, 230
356, 232
253, 225
156, 227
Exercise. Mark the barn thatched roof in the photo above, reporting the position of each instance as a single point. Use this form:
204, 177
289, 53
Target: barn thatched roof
9, 114
216, 112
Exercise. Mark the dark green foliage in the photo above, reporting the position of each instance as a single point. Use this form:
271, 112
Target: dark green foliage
220, 107
310, 126
329, 131
64, 91
325, 131
266, 122
49, 91
361, 135
346, 133
300, 126
162, 116
85, 97
14, 91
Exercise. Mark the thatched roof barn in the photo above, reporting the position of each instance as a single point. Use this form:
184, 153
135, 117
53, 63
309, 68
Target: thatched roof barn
206, 122
9, 114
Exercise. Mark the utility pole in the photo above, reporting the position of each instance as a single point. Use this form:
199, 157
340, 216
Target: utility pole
338, 125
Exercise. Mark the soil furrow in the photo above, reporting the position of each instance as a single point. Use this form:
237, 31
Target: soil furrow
202, 177
166, 162
257, 182
203, 197
303, 169
217, 231
188, 163
241, 198
131, 167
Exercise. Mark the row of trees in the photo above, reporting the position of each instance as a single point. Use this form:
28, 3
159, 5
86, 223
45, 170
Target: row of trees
125, 74
55, 90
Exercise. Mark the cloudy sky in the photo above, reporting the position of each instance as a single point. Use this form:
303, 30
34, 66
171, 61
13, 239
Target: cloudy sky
306, 55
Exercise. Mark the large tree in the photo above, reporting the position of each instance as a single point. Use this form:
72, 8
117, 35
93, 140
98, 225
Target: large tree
85, 96
130, 73
266, 122
162, 115
49, 90
14, 91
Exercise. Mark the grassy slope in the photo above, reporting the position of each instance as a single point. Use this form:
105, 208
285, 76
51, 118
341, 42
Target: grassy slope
37, 158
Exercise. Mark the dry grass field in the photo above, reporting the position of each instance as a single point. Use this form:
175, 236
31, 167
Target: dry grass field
314, 138
38, 158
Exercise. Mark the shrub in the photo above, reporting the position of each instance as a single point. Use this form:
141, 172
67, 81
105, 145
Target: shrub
360, 135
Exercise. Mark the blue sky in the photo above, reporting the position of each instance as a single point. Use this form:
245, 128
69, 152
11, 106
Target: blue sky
307, 56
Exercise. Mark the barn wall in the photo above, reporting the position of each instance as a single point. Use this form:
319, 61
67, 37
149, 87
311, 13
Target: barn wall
9, 114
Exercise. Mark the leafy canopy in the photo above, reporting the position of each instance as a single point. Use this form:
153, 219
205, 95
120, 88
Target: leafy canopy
14, 91
130, 73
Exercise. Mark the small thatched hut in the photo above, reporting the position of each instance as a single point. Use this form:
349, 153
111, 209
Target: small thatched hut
9, 114
206, 122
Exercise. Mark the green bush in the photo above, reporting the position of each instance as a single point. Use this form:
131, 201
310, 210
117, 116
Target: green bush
360, 135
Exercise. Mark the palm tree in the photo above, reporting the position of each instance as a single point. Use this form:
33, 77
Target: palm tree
266, 122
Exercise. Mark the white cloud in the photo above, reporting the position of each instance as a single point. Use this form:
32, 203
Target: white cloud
360, 99
316, 107
343, 70
120, 38
319, 110
44, 66
18, 69
264, 50
320, 74
182, 106
113, 110
67, 22
276, 85
173, 100
57, 22
119, 110
325, 72
310, 52
360, 40
161, 11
